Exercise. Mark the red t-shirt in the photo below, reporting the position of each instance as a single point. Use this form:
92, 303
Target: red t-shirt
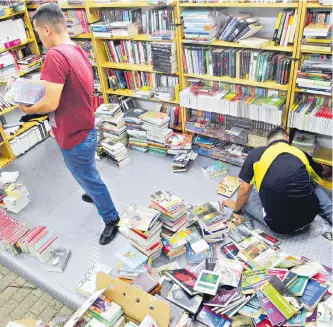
73, 119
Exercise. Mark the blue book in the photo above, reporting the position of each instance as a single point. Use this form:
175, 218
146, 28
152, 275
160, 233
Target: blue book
313, 293
197, 258
297, 320
212, 319
131, 257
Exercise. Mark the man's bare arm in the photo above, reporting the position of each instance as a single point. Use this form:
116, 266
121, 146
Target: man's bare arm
243, 195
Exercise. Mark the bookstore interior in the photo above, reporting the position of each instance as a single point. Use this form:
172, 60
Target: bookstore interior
185, 94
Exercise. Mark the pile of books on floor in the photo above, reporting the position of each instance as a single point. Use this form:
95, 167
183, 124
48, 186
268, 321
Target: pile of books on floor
156, 125
200, 25
144, 229
164, 57
16, 238
315, 76
304, 141
113, 127
317, 35
137, 135
174, 214
217, 168
220, 150
179, 143
29, 63
115, 153
74, 26
14, 197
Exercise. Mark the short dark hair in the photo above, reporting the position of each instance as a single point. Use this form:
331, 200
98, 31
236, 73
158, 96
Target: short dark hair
275, 132
50, 14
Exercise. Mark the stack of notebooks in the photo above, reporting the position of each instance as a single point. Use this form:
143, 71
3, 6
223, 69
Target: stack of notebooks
240, 27
113, 126
156, 125
29, 63
174, 215
315, 76
144, 229
16, 197
199, 25
304, 141
74, 27
137, 135
164, 57
115, 153
317, 35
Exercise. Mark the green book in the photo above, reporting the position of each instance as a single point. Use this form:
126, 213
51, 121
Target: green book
281, 297
299, 287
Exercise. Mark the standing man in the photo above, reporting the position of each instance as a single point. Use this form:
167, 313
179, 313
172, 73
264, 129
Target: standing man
287, 197
68, 78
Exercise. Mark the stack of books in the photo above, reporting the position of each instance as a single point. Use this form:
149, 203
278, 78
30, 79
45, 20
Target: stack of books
79, 14
101, 29
199, 25
174, 244
239, 27
137, 135
115, 153
317, 34
305, 141
180, 162
16, 197
144, 92
174, 214
217, 168
164, 57
315, 76
156, 125
179, 143
164, 93
74, 27
144, 229
29, 63
122, 28
113, 126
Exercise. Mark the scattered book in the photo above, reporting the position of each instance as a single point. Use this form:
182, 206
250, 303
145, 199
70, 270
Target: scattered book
207, 282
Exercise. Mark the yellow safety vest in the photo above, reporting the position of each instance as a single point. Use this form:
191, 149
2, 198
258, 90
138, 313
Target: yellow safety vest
261, 167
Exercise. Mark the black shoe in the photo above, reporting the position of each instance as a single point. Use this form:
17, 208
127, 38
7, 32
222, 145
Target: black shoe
87, 198
109, 232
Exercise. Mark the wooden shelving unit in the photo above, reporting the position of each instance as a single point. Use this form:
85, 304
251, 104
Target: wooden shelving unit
321, 155
5, 148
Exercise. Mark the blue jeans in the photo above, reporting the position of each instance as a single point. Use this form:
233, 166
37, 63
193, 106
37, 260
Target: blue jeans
80, 161
254, 206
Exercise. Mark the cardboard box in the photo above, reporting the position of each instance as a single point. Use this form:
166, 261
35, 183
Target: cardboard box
135, 303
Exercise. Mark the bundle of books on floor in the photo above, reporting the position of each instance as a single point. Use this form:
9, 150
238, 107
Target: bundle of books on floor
312, 117
225, 102
127, 51
252, 65
156, 125
220, 150
164, 57
174, 214
304, 141
74, 26
16, 238
200, 25
179, 143
144, 229
317, 34
14, 197
315, 76
217, 168
115, 153
239, 27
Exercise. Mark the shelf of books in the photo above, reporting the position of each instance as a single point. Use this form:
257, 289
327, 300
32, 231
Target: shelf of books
19, 55
310, 115
237, 73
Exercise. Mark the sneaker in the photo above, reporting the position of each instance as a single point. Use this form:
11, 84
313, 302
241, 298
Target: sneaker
87, 198
109, 232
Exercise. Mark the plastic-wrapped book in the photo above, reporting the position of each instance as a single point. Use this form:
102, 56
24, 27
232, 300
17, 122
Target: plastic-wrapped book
24, 91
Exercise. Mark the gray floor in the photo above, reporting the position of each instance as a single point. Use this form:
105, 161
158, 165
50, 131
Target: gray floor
56, 203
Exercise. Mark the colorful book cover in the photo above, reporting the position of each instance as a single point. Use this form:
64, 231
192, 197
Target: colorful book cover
228, 185
131, 257
212, 319
251, 277
281, 297
223, 298
299, 287
230, 250
297, 320
193, 258
313, 293
207, 282
184, 278
207, 214
230, 271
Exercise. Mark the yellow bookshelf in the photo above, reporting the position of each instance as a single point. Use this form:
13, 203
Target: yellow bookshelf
240, 5
5, 148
